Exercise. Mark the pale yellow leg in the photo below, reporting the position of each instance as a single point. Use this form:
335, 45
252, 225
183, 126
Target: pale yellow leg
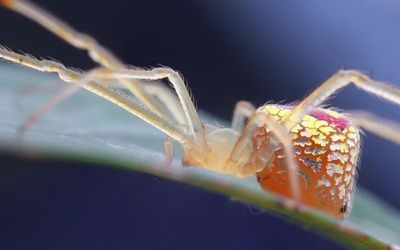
138, 110
381, 127
169, 99
103, 56
243, 110
46, 107
175, 112
83, 41
336, 82
260, 118
87, 81
195, 125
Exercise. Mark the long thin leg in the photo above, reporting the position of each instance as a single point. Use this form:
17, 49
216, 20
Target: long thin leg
167, 98
171, 102
44, 66
140, 111
336, 82
384, 128
175, 112
47, 106
83, 41
243, 111
176, 80
64, 73
195, 124
87, 82
281, 134
44, 86
103, 56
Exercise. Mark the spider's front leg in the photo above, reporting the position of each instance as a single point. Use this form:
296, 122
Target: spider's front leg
96, 51
263, 154
192, 119
381, 127
340, 80
388, 130
196, 128
107, 59
89, 81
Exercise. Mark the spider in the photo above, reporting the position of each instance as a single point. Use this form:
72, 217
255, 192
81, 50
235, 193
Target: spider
302, 152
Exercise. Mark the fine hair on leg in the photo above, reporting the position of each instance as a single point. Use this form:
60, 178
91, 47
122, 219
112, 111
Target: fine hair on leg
96, 51
175, 112
195, 125
88, 81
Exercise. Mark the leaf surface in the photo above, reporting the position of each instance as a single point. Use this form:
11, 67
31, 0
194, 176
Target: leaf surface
88, 128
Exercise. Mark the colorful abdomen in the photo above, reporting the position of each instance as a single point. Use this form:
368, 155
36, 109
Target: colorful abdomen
326, 147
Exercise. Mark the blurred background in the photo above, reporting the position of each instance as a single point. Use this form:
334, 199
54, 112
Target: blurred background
228, 51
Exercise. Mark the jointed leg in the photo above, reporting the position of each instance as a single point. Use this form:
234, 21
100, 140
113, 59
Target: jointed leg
243, 110
50, 85
176, 80
87, 81
64, 73
175, 113
281, 134
101, 55
169, 99
79, 40
155, 74
386, 129
50, 104
138, 110
336, 82
64, 31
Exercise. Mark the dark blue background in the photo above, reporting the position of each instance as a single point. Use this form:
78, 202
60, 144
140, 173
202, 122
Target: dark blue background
227, 51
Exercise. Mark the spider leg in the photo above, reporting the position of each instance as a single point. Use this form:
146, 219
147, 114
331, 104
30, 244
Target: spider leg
260, 118
96, 51
381, 127
172, 104
87, 81
103, 56
169, 99
243, 110
336, 82
46, 107
33, 89
195, 125
160, 91
166, 98
175, 112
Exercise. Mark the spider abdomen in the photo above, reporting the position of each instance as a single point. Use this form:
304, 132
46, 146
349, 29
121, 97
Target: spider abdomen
326, 146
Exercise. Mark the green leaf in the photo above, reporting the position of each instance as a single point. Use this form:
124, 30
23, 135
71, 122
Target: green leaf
88, 128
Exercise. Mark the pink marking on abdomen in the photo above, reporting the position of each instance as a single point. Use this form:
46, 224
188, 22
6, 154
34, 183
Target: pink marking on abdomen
340, 122
320, 114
